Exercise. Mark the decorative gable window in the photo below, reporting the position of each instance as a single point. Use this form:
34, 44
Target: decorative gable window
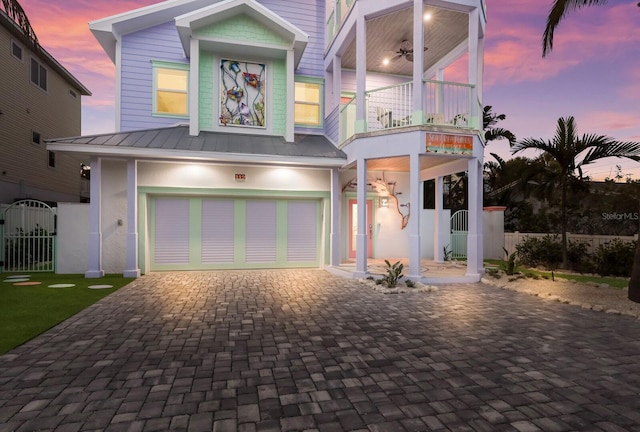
38, 74
242, 93
308, 102
171, 84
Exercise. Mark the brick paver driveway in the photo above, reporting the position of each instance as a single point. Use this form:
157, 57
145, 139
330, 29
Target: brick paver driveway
303, 350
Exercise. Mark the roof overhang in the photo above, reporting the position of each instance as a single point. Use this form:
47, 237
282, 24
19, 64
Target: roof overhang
189, 23
175, 143
192, 14
180, 155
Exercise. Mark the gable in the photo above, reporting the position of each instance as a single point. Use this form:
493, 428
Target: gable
242, 28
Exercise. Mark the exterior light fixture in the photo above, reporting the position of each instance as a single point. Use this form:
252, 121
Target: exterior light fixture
427, 16
384, 201
385, 62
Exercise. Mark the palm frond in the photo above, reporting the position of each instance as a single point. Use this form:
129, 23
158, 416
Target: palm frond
558, 11
500, 160
612, 148
499, 133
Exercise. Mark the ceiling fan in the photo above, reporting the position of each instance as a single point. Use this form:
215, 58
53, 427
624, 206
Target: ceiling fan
405, 50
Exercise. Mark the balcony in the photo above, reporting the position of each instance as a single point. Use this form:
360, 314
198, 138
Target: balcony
445, 104
340, 10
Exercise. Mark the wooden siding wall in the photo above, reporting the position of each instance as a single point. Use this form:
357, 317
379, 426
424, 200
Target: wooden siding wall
308, 16
138, 49
162, 43
26, 108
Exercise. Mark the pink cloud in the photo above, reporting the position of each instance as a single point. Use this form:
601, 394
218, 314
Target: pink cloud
610, 123
514, 40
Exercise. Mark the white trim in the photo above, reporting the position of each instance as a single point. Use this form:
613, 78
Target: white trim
94, 259
118, 98
16, 43
132, 269
194, 83
415, 255
187, 23
291, 83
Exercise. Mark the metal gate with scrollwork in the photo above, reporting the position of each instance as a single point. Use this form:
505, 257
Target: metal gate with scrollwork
459, 231
27, 235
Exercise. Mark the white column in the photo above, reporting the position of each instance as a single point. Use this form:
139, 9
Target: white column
334, 254
194, 79
418, 61
131, 264
290, 96
474, 76
363, 227
441, 229
337, 80
415, 256
361, 74
474, 234
94, 259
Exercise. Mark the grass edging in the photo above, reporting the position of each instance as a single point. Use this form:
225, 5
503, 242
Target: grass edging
28, 311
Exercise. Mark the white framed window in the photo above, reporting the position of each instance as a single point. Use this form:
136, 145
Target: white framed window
36, 138
38, 74
51, 159
170, 89
308, 102
16, 50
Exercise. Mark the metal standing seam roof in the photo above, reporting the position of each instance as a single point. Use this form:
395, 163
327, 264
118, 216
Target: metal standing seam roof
178, 138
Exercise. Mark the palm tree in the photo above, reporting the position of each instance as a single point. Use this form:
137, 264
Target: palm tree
558, 11
571, 153
491, 133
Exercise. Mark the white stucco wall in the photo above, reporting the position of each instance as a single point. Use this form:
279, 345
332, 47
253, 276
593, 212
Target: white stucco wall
390, 240
114, 209
223, 177
72, 241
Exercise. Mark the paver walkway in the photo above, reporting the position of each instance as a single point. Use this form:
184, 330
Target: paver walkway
303, 350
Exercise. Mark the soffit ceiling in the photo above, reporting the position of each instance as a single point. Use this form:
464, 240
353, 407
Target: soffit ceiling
446, 30
401, 164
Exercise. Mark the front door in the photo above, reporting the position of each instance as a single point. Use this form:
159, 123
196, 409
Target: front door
353, 227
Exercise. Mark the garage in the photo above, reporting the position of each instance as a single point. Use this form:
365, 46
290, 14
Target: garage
201, 233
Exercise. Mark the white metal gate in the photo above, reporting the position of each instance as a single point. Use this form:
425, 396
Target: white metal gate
27, 235
459, 229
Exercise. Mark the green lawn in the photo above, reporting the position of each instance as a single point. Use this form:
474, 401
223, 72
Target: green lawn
27, 311
611, 281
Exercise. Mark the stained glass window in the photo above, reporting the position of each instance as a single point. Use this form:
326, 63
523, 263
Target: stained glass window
242, 93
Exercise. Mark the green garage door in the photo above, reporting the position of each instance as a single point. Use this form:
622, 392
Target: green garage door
227, 233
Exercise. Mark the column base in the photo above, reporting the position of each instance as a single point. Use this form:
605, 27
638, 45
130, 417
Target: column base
131, 273
93, 274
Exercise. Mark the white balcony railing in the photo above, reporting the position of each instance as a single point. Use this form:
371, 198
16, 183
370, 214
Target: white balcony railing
337, 15
445, 104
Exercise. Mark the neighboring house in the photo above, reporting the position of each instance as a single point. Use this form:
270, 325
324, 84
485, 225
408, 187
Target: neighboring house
39, 99
274, 134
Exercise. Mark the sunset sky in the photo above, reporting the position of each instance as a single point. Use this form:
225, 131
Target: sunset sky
592, 74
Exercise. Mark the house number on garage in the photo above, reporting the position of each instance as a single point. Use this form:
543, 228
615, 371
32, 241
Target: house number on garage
241, 177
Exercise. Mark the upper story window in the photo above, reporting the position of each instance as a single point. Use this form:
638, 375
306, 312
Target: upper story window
16, 50
243, 87
308, 102
38, 74
35, 137
171, 84
51, 159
